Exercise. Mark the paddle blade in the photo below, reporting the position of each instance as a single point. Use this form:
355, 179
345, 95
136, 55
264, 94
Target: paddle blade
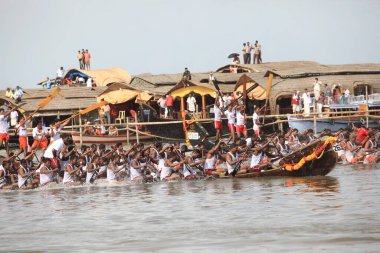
92, 107
49, 98
269, 85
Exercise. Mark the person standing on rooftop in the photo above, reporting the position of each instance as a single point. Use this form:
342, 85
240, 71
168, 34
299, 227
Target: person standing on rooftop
245, 55
80, 58
257, 53
87, 58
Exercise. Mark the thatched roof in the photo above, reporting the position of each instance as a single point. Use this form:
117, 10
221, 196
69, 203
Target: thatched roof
68, 100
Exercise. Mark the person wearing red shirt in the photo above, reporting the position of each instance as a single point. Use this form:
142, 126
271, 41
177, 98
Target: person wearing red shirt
361, 133
169, 105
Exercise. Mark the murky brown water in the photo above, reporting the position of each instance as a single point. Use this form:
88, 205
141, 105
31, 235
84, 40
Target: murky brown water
336, 213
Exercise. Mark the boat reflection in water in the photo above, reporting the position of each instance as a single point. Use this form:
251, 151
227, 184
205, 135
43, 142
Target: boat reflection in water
313, 184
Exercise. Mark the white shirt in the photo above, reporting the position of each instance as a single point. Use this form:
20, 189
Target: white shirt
230, 116
14, 114
240, 119
3, 125
217, 113
89, 82
317, 87
56, 145
39, 134
22, 130
255, 118
57, 133
191, 103
306, 98
60, 73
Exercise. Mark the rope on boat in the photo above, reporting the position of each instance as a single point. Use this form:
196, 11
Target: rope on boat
315, 155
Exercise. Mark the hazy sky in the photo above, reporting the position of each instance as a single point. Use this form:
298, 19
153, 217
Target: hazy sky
39, 36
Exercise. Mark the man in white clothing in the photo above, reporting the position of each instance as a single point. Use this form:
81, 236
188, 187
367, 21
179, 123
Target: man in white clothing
191, 103
306, 103
54, 149
317, 89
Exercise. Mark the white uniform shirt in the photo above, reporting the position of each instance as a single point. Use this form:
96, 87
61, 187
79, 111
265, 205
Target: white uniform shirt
231, 116
3, 125
255, 118
56, 145
39, 134
56, 133
240, 119
217, 113
22, 130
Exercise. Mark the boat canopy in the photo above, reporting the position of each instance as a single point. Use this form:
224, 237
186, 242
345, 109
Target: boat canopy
118, 93
257, 93
185, 87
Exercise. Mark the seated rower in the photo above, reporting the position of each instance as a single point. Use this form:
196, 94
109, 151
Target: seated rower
210, 165
137, 169
190, 162
113, 169
170, 170
259, 160
25, 176
351, 150
71, 171
371, 151
282, 147
233, 161
92, 170
4, 174
47, 173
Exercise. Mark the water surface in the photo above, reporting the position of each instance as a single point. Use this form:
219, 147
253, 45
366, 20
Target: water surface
335, 213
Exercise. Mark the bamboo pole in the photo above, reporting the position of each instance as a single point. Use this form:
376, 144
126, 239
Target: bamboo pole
80, 131
203, 106
127, 128
137, 130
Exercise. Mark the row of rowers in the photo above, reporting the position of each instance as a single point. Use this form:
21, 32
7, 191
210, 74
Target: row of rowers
61, 163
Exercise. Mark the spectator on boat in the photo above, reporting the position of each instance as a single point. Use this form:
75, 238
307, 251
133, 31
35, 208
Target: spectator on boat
186, 75
60, 75
89, 82
9, 93
337, 93
346, 96
162, 104
247, 53
306, 103
87, 59
113, 131
317, 88
257, 53
191, 103
18, 94
14, 118
361, 133
320, 103
296, 99
234, 68
169, 105
106, 111
80, 58
328, 94
89, 129
47, 85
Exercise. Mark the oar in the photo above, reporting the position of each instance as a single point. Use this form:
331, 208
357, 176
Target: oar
47, 100
84, 111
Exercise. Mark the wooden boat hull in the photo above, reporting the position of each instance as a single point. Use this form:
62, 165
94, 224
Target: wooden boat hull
105, 139
321, 166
